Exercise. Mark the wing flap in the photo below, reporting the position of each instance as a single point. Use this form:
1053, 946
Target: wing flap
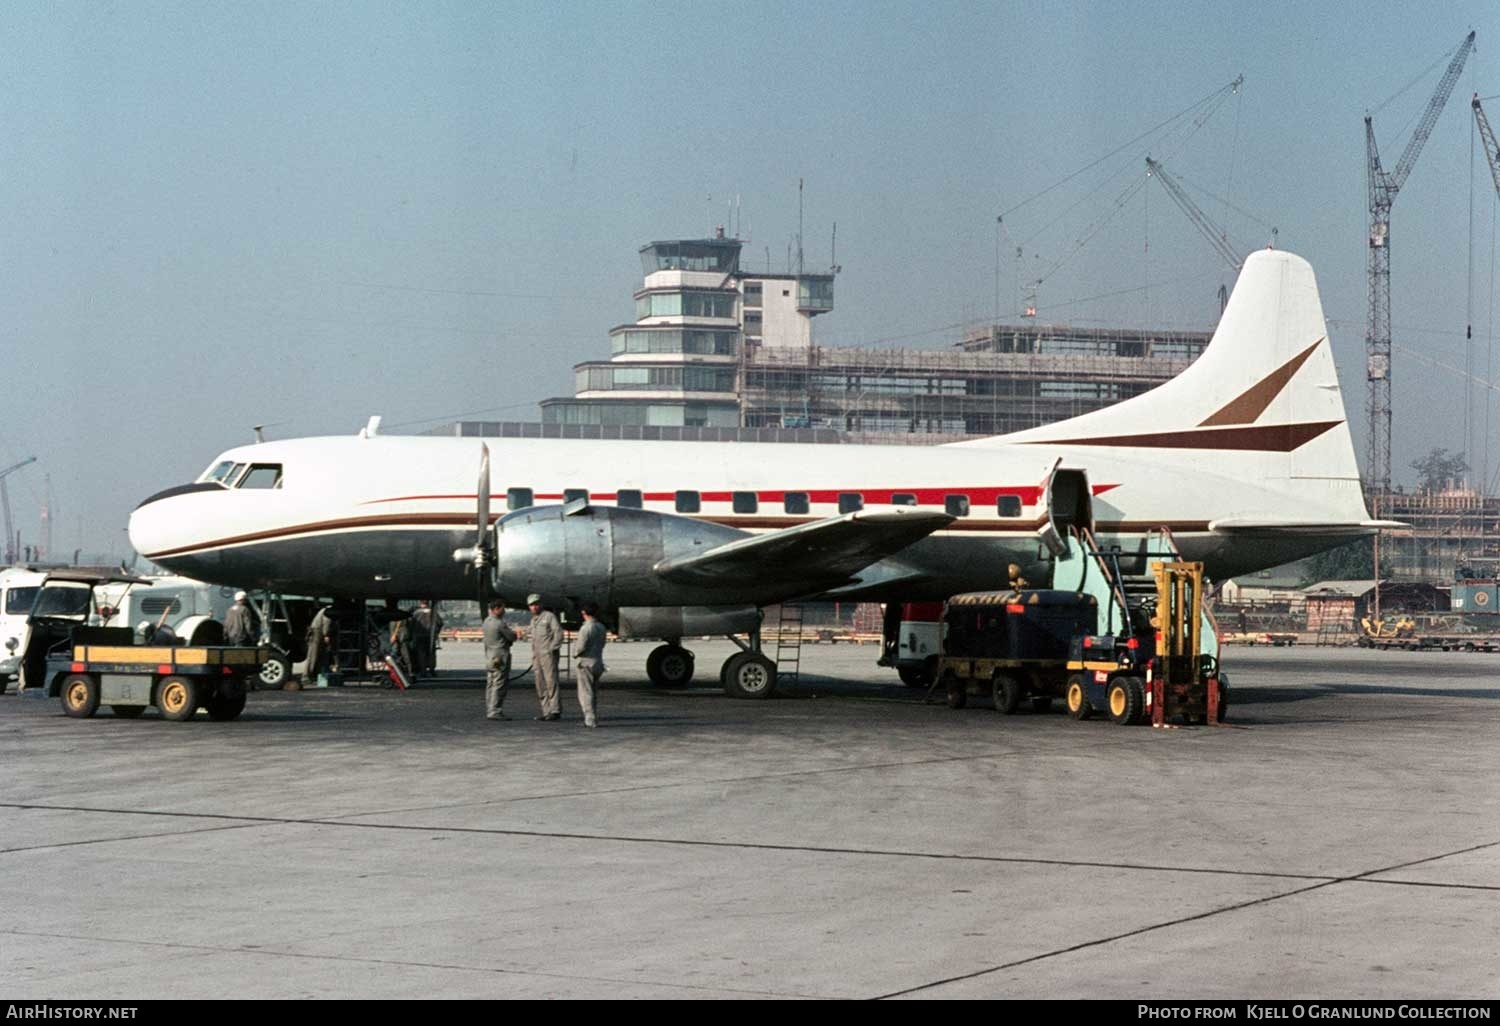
822, 552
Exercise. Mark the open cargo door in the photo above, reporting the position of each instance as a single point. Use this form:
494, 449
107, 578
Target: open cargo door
1067, 508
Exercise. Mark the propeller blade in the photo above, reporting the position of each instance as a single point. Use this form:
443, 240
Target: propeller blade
484, 496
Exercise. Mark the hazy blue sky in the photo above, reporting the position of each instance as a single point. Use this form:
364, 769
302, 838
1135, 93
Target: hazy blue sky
213, 216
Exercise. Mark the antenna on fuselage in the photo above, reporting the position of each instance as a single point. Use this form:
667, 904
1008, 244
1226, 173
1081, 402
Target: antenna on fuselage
260, 432
371, 429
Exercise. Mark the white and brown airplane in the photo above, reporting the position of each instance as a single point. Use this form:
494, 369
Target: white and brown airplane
1245, 456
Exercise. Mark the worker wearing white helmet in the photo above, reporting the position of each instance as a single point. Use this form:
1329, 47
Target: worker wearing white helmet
239, 622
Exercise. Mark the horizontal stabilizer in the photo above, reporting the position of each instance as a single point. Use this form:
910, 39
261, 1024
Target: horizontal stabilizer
829, 550
1354, 529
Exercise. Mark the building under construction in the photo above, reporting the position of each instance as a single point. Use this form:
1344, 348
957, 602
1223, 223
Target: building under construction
997, 379
1450, 534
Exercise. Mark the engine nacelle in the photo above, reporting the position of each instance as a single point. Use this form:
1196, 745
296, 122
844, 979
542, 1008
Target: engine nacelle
686, 621
573, 554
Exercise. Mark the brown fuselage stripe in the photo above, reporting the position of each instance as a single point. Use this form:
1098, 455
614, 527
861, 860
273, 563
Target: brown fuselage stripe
1253, 401
1273, 438
961, 526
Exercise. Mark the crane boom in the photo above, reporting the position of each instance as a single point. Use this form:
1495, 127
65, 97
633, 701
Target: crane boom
1210, 231
10, 528
1383, 186
1491, 148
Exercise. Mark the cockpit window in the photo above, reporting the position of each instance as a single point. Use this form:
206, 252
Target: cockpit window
261, 475
218, 472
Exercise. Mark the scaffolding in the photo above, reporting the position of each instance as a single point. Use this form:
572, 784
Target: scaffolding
1446, 531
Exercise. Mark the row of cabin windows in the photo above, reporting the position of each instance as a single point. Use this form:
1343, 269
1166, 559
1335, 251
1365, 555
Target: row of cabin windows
748, 502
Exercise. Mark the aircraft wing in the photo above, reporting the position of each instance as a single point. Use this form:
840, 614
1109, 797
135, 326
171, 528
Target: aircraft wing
822, 552
1251, 525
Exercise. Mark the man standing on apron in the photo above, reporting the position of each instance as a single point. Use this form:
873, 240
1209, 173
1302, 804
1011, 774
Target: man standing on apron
546, 643
590, 662
497, 641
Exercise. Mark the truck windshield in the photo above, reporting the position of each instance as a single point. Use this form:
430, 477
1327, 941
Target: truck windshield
62, 600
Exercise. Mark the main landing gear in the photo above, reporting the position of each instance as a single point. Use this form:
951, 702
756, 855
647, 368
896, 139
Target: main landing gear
746, 674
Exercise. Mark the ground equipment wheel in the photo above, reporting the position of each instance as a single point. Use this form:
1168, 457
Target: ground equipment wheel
1223, 699
670, 666
1078, 699
177, 698
958, 692
228, 703
918, 676
1007, 694
128, 712
749, 675
276, 671
80, 695
1127, 700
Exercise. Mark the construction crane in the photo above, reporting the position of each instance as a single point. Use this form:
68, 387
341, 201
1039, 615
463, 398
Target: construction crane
1383, 188
1487, 136
1211, 232
10, 527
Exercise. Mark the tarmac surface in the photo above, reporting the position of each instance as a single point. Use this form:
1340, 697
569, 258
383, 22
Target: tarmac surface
845, 840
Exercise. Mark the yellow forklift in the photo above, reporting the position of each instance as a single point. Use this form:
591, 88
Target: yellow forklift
1165, 669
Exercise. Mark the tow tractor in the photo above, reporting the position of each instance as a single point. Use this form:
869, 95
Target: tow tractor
68, 656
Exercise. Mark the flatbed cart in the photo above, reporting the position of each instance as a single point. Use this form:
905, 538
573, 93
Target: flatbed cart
67, 655
177, 679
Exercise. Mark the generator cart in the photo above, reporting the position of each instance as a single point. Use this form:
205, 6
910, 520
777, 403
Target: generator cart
1011, 645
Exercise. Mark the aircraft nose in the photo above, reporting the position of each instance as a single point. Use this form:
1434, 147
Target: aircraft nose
154, 524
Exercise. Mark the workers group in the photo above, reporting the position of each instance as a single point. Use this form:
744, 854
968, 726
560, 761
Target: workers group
546, 647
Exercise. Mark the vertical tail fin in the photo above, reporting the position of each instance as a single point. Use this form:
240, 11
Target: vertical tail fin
1265, 388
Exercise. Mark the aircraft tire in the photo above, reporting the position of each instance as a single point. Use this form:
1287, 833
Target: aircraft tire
749, 675
128, 712
177, 698
670, 666
1007, 693
1078, 699
275, 672
80, 695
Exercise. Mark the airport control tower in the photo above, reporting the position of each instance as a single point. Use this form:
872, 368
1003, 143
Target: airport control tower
698, 316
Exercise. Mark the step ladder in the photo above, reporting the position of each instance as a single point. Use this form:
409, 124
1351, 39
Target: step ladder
350, 641
789, 644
